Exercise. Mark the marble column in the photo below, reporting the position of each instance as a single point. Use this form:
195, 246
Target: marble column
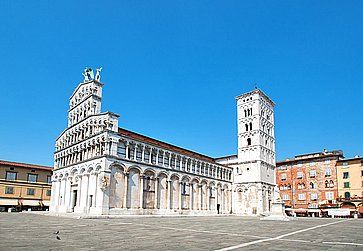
126, 183
141, 190
168, 192
180, 195
156, 193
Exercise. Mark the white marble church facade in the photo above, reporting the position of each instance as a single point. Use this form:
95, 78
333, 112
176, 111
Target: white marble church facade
101, 169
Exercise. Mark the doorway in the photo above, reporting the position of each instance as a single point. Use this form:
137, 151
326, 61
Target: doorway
74, 199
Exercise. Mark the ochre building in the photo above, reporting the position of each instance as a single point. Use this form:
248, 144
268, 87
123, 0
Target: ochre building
24, 186
350, 183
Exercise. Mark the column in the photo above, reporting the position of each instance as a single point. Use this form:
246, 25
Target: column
135, 152
150, 155
79, 191
191, 196
180, 196
157, 157
125, 190
200, 197
143, 153
141, 190
156, 193
168, 191
127, 149
96, 189
207, 197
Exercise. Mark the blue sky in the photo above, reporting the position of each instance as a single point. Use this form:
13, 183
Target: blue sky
172, 70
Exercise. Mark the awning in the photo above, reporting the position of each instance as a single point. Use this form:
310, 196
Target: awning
8, 202
46, 203
30, 203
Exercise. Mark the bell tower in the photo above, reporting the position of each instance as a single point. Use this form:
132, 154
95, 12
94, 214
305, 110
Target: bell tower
254, 176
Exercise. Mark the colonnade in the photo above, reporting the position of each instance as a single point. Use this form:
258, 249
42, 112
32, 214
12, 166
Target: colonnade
144, 153
135, 189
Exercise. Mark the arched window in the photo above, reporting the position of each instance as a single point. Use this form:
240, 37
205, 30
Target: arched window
331, 183
312, 185
246, 127
347, 195
249, 141
326, 184
245, 113
251, 126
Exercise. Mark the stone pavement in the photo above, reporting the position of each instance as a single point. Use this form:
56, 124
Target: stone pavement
24, 231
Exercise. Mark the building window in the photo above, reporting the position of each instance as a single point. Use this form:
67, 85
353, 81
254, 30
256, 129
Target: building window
347, 195
331, 183
249, 141
345, 175
32, 177
300, 186
361, 174
283, 176
327, 172
301, 196
49, 179
285, 197
313, 196
30, 191
11, 175
312, 173
49, 192
299, 175
329, 195
9, 190
346, 185
312, 185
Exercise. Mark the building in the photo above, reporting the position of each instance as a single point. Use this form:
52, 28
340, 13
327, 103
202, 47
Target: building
308, 182
254, 165
24, 186
350, 184
100, 168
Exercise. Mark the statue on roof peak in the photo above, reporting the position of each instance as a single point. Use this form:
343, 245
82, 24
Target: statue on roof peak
89, 75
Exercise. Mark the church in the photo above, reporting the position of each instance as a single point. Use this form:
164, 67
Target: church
103, 169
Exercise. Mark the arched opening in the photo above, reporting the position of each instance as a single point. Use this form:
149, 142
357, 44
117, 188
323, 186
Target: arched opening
162, 191
249, 141
347, 195
185, 193
149, 190
195, 195
133, 189
117, 187
174, 195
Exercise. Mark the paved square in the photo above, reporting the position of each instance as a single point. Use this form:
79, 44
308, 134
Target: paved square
23, 231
